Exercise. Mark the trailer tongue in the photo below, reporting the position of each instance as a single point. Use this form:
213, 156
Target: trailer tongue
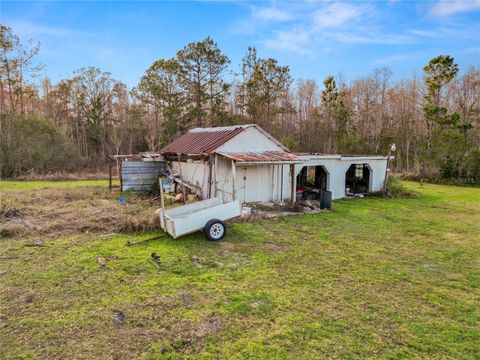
207, 215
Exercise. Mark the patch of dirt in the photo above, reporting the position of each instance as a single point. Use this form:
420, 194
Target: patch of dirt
209, 326
274, 246
53, 212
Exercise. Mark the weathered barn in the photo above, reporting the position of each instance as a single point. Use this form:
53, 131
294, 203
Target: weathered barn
247, 163
241, 161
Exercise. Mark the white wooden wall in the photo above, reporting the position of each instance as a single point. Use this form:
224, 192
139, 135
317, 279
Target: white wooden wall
250, 140
196, 172
337, 169
255, 183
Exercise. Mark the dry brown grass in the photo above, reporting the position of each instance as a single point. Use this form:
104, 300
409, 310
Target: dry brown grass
53, 212
64, 175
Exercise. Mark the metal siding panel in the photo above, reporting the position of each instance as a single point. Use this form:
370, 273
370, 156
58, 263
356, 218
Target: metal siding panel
141, 175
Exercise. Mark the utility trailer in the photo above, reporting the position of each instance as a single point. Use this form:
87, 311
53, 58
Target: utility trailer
207, 215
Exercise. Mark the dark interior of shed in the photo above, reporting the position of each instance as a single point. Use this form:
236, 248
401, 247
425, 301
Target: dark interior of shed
311, 181
357, 179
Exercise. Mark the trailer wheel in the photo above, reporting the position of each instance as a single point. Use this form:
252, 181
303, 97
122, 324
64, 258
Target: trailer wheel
215, 230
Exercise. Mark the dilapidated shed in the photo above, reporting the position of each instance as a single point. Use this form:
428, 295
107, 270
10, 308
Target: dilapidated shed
242, 161
245, 162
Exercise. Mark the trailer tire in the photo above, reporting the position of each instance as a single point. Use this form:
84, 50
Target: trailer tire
215, 230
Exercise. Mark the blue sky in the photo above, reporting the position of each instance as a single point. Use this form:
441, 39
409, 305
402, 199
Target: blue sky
315, 39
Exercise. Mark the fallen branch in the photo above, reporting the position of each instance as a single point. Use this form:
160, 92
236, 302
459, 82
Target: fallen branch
129, 243
156, 259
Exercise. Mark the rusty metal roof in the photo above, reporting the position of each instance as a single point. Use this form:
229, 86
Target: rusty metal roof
266, 156
200, 142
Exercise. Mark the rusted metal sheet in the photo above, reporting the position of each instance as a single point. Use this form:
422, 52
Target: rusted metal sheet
141, 175
267, 156
199, 142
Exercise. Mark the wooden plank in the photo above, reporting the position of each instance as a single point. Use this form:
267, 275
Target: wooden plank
292, 180
215, 168
183, 182
110, 176
162, 203
234, 190
120, 175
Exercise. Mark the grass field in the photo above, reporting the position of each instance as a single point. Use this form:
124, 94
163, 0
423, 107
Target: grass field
373, 278
26, 185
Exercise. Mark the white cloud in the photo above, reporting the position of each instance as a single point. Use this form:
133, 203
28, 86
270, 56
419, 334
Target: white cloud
450, 7
271, 14
337, 15
311, 27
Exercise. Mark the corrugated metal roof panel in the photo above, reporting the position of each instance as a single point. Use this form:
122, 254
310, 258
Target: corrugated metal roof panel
200, 142
266, 156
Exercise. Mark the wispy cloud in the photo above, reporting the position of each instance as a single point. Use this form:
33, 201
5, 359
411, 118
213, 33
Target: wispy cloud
31, 29
391, 59
450, 7
309, 27
337, 15
474, 49
270, 14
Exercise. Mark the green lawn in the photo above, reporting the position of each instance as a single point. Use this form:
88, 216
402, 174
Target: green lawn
373, 278
28, 185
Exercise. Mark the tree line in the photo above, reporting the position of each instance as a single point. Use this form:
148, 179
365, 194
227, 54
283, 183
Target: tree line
434, 119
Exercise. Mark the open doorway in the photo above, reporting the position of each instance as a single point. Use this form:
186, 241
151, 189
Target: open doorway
311, 181
357, 179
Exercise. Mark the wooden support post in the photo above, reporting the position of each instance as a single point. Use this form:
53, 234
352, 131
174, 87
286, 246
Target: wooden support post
385, 181
234, 191
273, 182
110, 175
162, 202
210, 175
181, 177
120, 175
292, 180
215, 168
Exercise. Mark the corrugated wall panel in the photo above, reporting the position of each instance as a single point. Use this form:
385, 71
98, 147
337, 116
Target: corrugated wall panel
141, 175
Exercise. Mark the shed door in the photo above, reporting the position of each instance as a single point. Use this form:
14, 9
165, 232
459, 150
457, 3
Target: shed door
255, 183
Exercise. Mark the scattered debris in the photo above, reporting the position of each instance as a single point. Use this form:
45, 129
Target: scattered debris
257, 304
101, 261
246, 211
10, 213
186, 298
129, 243
22, 222
112, 257
122, 200
156, 259
196, 260
267, 204
273, 246
108, 235
179, 197
119, 316
36, 243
